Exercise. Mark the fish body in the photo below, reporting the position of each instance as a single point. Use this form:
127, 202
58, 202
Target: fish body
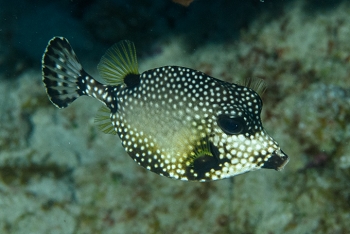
174, 121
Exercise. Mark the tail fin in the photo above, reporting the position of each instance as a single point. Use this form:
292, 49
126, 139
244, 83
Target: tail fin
61, 72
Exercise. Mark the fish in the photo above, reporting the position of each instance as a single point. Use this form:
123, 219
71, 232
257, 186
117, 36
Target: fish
174, 121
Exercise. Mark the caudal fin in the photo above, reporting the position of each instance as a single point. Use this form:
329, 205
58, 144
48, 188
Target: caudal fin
61, 72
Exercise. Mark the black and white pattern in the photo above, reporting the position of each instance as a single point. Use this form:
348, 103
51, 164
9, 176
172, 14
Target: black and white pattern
174, 121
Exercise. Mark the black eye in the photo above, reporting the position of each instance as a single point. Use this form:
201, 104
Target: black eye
230, 125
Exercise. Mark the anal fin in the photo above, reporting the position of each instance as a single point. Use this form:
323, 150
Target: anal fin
104, 121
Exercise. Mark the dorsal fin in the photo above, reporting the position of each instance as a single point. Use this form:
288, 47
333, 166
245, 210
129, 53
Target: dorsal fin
119, 61
104, 122
256, 84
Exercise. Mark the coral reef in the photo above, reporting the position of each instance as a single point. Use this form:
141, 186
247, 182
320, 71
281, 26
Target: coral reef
59, 174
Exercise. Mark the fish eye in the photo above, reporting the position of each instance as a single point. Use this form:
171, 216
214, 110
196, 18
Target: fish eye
230, 125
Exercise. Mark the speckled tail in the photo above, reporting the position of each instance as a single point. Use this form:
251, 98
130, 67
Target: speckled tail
62, 73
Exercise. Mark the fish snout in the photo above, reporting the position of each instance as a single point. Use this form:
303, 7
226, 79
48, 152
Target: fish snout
277, 160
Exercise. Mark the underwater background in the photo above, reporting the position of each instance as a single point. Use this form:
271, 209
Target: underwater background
60, 174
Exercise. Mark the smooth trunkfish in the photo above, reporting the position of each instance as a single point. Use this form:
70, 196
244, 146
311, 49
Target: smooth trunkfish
174, 121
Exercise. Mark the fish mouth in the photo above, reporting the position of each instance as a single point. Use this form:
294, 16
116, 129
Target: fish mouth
277, 160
